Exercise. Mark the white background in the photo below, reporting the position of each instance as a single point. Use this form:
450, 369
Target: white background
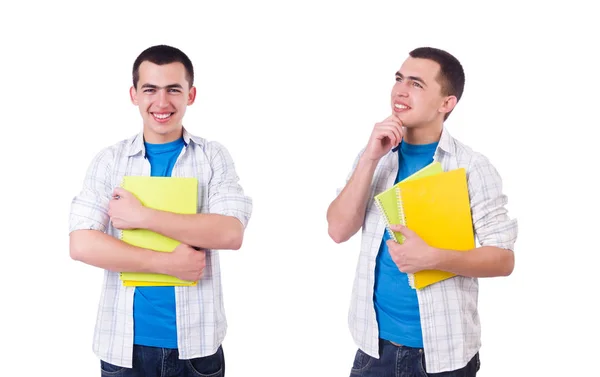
293, 90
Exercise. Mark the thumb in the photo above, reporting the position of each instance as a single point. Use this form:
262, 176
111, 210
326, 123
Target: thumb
403, 230
119, 191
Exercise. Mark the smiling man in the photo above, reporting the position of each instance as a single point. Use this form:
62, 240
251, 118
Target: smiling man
434, 331
160, 331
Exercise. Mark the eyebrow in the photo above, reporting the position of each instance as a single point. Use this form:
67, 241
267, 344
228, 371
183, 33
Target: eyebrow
152, 86
413, 78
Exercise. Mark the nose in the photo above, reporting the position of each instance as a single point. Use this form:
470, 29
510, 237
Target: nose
400, 90
163, 101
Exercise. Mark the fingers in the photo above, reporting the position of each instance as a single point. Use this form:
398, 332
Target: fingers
120, 192
390, 130
402, 229
392, 123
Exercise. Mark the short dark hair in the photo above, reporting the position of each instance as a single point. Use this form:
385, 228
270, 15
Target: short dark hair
451, 76
163, 54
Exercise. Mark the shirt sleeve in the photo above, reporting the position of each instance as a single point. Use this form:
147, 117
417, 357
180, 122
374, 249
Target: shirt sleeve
354, 165
89, 209
492, 225
225, 194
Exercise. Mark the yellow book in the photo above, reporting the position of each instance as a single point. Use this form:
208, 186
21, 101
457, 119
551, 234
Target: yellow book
437, 208
173, 194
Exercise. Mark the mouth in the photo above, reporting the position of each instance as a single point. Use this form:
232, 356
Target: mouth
399, 107
162, 117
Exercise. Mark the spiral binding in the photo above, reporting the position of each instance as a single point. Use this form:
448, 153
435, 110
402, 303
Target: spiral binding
411, 277
400, 211
387, 220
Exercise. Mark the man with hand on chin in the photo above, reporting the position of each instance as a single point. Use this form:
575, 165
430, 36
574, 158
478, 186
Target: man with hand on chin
155, 331
434, 331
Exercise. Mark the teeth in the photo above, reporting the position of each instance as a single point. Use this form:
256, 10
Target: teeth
399, 106
162, 116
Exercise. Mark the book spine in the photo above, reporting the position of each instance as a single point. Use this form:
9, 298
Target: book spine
400, 211
411, 277
386, 219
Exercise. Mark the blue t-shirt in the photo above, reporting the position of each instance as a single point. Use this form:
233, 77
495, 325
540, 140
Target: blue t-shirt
396, 304
154, 320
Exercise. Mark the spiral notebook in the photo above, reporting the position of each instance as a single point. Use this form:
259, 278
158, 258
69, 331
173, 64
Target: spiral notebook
435, 205
173, 194
387, 201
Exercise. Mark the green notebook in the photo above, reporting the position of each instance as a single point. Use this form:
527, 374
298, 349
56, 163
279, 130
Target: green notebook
387, 201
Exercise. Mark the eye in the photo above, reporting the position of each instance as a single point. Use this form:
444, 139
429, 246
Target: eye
398, 78
417, 84
148, 90
173, 90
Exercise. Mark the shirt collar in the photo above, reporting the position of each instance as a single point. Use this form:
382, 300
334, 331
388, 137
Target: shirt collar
445, 143
137, 144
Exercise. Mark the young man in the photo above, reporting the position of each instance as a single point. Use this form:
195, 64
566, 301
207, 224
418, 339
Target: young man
146, 331
434, 331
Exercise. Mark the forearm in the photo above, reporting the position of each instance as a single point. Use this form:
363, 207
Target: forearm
204, 230
346, 213
485, 261
104, 251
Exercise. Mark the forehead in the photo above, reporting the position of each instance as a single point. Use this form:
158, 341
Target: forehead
166, 74
424, 68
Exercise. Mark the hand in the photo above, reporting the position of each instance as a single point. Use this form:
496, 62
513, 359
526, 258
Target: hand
385, 136
125, 210
185, 263
414, 254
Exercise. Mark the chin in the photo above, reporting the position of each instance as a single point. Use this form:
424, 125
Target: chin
162, 129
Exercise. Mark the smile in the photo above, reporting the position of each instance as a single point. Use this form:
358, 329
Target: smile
400, 106
161, 117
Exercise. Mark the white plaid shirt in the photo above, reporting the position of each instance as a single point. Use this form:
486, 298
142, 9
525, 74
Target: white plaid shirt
449, 317
201, 322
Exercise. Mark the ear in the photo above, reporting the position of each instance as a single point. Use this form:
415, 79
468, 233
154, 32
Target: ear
448, 105
192, 95
133, 95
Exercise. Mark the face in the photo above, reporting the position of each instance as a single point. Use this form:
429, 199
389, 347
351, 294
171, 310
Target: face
417, 96
162, 95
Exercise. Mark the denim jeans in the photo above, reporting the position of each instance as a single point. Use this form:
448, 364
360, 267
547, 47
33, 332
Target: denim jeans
402, 361
165, 362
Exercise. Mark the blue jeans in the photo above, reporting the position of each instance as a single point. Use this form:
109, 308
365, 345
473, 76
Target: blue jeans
165, 362
402, 361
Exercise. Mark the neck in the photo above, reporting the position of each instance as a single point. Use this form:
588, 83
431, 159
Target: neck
162, 138
423, 135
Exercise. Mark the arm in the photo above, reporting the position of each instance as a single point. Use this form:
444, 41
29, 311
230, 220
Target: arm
414, 255
346, 213
484, 261
102, 250
496, 232
209, 231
